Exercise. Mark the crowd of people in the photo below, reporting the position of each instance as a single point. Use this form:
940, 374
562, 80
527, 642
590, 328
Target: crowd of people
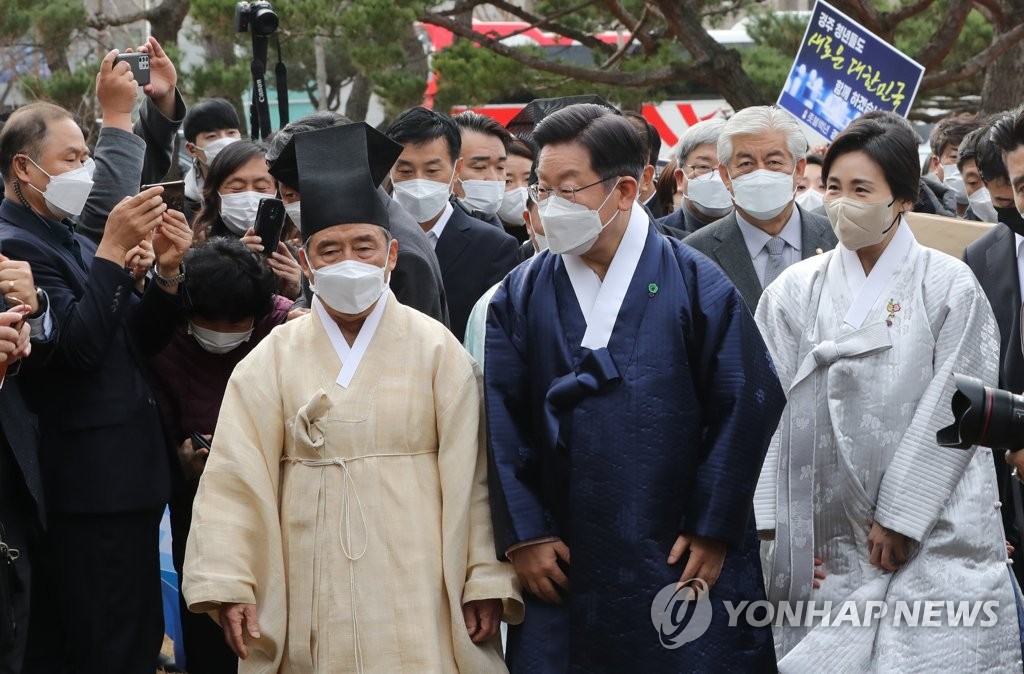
495, 374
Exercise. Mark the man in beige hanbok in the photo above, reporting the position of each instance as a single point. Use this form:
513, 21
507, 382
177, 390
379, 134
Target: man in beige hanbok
342, 521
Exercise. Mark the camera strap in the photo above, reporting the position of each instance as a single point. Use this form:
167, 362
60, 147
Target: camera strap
259, 108
281, 82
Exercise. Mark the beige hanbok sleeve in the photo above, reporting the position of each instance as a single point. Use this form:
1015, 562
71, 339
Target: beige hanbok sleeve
234, 552
470, 562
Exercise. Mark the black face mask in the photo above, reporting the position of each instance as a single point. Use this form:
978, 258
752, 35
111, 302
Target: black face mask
1011, 217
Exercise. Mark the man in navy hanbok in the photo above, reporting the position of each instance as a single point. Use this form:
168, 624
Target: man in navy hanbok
630, 402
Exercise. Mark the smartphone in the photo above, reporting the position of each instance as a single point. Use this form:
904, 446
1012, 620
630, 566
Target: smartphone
173, 194
139, 64
270, 223
199, 441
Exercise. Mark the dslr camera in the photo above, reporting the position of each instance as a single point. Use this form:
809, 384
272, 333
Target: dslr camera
259, 17
984, 416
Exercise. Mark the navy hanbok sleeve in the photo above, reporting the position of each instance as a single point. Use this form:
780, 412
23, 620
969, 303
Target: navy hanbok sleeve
514, 468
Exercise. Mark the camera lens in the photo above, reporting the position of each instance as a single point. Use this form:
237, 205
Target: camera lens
264, 22
984, 416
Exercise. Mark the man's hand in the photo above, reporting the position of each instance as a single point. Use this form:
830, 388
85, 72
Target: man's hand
706, 558
163, 78
483, 618
17, 285
237, 620
888, 549
193, 459
538, 570
14, 336
170, 243
116, 90
129, 223
140, 259
1016, 459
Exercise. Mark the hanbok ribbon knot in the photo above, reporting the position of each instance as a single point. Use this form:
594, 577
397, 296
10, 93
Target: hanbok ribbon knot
308, 431
595, 374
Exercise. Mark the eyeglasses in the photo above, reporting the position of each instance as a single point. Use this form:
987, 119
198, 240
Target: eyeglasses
699, 169
539, 194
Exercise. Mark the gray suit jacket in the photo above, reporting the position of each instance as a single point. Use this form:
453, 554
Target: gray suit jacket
723, 242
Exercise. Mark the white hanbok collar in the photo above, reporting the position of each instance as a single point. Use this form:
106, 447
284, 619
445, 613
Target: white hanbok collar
350, 356
600, 301
865, 290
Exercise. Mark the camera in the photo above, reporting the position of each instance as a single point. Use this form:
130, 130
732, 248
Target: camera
139, 63
984, 416
260, 16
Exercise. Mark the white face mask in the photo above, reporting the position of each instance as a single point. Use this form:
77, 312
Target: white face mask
218, 342
981, 204
350, 286
67, 192
572, 229
858, 224
952, 179
709, 195
238, 211
540, 242
810, 199
295, 213
512, 206
424, 199
484, 196
763, 193
211, 150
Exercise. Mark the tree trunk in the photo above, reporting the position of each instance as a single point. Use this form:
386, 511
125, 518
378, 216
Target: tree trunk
165, 25
320, 55
358, 103
1004, 81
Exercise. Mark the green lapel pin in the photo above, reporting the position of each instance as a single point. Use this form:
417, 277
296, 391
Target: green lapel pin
652, 289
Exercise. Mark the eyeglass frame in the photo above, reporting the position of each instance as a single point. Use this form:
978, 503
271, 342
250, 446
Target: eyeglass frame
696, 167
533, 190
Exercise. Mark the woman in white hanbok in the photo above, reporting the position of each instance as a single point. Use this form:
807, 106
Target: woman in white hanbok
865, 509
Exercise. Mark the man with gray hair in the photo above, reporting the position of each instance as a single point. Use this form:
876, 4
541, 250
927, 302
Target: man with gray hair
760, 155
705, 197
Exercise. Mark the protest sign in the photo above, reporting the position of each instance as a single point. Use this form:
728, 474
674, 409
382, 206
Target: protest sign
842, 71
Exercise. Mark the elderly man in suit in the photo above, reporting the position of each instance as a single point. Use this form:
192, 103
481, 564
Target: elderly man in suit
473, 254
760, 154
705, 197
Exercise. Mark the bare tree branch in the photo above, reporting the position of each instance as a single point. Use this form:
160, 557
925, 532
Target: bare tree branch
624, 48
974, 66
939, 46
891, 19
655, 77
627, 20
546, 22
865, 14
991, 9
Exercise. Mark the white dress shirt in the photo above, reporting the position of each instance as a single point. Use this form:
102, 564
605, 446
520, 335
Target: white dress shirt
434, 233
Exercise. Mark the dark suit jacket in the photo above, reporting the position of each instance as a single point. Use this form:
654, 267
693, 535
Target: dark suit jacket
993, 259
682, 220
416, 280
653, 205
102, 447
473, 256
20, 430
723, 242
